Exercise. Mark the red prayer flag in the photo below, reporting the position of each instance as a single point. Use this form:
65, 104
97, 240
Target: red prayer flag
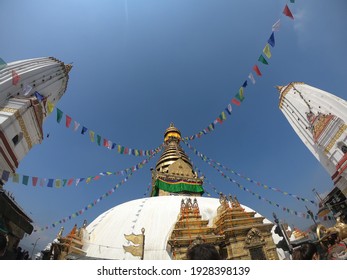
256, 70
236, 102
34, 179
287, 12
70, 182
105, 142
15, 78
68, 121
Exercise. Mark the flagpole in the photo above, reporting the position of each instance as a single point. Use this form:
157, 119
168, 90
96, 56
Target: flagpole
143, 243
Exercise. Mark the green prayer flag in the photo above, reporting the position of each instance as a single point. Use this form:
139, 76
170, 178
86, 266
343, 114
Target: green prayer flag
262, 59
59, 115
292, 1
98, 137
25, 180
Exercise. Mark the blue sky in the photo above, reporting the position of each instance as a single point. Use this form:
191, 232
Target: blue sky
139, 65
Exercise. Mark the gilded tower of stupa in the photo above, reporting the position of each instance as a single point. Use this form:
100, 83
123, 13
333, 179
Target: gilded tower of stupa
174, 174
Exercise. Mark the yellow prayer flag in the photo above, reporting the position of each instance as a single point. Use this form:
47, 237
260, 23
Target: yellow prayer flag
241, 91
91, 134
50, 107
57, 183
137, 239
134, 250
267, 51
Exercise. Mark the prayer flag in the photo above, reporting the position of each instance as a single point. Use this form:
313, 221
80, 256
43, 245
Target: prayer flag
250, 76
27, 89
50, 106
222, 116
292, 1
42, 182
276, 25
267, 51
38, 96
105, 142
236, 102
67, 121
91, 135
256, 70
57, 183
84, 130
5, 175
287, 12
76, 125
69, 183
59, 115
34, 181
240, 97
244, 84
25, 180
262, 59
15, 78
15, 178
50, 183
271, 40
229, 109
3, 64
98, 139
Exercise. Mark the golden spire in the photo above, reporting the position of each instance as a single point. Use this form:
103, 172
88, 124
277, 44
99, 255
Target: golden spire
173, 151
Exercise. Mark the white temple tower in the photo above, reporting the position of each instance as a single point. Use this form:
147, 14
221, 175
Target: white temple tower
27, 87
320, 120
21, 112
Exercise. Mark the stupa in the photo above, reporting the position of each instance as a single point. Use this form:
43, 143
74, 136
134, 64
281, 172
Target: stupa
175, 217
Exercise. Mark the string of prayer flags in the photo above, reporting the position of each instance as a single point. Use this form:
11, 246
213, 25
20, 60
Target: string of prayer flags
287, 12
3, 64
88, 206
238, 98
110, 145
15, 78
259, 184
285, 209
6, 175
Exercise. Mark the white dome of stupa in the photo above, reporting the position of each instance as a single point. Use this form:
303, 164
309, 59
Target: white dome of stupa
157, 215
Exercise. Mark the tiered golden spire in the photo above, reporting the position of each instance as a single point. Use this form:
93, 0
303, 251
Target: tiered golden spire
172, 150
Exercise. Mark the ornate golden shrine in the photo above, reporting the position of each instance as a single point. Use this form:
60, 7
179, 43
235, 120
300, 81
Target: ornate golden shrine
70, 246
236, 234
191, 227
